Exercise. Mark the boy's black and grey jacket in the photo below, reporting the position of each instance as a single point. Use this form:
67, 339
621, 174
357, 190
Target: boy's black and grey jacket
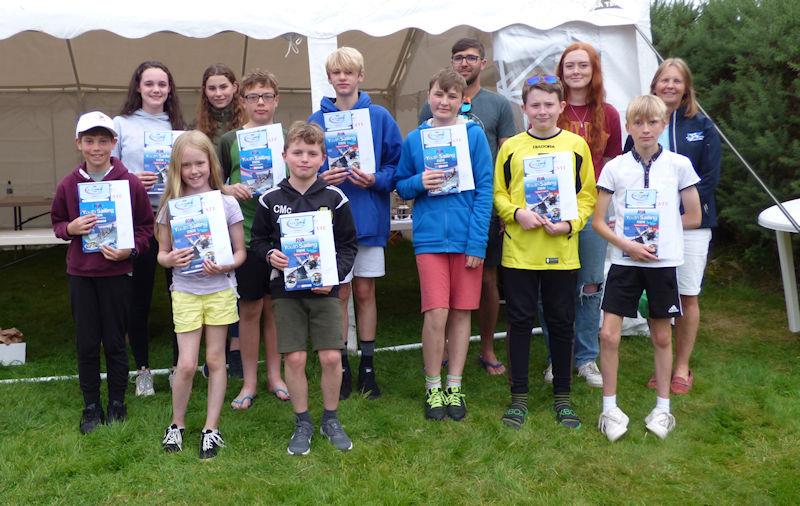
284, 199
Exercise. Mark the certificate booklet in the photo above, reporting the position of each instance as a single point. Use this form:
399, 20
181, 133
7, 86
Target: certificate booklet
307, 239
447, 149
549, 181
640, 220
110, 201
157, 152
348, 140
199, 222
261, 165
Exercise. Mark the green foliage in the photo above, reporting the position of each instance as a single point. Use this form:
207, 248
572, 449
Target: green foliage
745, 60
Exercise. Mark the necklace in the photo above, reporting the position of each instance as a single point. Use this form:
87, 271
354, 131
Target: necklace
582, 120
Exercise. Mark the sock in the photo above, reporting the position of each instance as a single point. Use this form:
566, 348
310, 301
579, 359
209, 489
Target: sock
329, 415
367, 352
432, 382
565, 415
453, 381
305, 416
561, 401
662, 404
520, 400
609, 402
345, 360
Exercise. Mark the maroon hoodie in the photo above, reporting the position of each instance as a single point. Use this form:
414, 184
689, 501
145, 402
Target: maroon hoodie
65, 209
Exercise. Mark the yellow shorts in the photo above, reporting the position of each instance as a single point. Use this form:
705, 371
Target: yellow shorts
190, 312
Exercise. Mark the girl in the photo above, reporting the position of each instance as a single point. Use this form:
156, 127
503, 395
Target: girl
217, 111
152, 105
203, 300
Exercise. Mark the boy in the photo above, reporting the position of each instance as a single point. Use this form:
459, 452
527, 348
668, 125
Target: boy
369, 198
302, 314
259, 95
540, 253
99, 283
647, 186
450, 235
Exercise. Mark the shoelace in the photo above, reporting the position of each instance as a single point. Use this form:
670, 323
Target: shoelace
174, 437
454, 398
334, 428
436, 399
303, 430
212, 438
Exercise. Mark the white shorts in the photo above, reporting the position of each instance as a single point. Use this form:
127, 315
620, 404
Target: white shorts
369, 263
695, 255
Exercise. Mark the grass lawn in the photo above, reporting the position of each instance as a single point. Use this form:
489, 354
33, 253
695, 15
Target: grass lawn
737, 439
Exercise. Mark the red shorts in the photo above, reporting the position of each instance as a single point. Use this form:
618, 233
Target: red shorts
446, 282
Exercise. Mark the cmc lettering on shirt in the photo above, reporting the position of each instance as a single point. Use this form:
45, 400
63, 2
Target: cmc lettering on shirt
281, 209
694, 136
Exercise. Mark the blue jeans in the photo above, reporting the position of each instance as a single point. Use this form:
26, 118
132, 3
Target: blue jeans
592, 254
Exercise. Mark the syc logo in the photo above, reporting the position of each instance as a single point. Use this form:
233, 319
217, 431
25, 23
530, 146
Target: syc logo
159, 137
341, 119
436, 135
694, 136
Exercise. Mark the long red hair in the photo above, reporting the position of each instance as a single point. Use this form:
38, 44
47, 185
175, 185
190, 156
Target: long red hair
596, 137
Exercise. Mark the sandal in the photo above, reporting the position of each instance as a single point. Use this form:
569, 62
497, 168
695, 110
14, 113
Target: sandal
492, 368
281, 394
238, 404
680, 385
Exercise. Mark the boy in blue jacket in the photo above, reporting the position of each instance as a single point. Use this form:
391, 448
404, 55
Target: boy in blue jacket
369, 200
450, 234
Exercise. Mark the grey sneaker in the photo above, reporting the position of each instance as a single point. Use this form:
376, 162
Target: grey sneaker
144, 383
300, 444
333, 430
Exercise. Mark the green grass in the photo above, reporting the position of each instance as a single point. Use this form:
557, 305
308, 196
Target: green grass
736, 440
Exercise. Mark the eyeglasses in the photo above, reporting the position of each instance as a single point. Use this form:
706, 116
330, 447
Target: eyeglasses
471, 58
253, 98
532, 81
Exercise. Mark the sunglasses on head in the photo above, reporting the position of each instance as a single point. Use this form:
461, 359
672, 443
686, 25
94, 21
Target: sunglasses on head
532, 81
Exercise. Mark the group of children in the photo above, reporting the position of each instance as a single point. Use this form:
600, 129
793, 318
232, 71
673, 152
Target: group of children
450, 232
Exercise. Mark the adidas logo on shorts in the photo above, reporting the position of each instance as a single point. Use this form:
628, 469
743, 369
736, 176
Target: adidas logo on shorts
673, 309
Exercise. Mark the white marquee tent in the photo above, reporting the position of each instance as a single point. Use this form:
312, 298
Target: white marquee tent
58, 59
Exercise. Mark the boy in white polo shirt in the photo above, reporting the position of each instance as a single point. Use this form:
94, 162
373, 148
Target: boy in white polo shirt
646, 186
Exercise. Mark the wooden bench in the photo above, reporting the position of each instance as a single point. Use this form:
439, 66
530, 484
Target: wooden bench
29, 237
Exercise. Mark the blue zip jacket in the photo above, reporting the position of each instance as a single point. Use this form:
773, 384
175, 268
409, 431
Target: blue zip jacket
370, 206
457, 223
698, 140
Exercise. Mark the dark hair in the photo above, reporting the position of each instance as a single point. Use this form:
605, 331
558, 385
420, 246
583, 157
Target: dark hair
98, 130
556, 88
172, 105
254, 78
468, 43
448, 79
206, 123
308, 133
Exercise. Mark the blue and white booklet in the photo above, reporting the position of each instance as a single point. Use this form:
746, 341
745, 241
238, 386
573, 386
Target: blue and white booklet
348, 140
261, 164
550, 186
307, 239
157, 152
640, 220
447, 149
199, 222
110, 201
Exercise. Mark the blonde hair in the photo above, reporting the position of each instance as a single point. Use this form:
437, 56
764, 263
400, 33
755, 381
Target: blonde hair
345, 58
689, 100
646, 107
174, 187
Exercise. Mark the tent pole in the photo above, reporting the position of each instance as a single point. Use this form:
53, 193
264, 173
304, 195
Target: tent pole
244, 57
730, 144
79, 90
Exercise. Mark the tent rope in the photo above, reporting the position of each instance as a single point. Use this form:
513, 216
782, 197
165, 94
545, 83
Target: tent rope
294, 40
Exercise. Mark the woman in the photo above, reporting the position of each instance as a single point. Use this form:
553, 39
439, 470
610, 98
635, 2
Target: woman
217, 111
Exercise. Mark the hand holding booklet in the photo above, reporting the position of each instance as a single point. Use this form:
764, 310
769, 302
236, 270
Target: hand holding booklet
157, 152
550, 187
447, 149
348, 140
307, 240
110, 202
198, 222
261, 165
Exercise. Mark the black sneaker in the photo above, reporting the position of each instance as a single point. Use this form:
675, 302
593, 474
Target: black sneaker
235, 364
456, 405
210, 443
117, 412
434, 404
173, 439
347, 384
367, 383
92, 417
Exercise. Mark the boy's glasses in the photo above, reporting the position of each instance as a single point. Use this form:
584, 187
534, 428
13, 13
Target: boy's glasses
532, 81
471, 58
253, 98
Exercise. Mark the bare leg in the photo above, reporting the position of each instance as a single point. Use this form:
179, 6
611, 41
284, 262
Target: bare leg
331, 381
273, 358
487, 317
366, 308
610, 335
457, 331
249, 329
686, 333
217, 374
661, 334
295, 365
344, 296
433, 336
188, 349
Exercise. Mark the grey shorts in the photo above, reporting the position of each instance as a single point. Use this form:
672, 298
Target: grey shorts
318, 318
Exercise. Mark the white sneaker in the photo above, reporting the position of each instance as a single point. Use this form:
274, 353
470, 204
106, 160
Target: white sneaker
660, 423
144, 383
613, 423
592, 374
548, 374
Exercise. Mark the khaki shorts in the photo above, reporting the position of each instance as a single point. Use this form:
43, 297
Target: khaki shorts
318, 318
190, 312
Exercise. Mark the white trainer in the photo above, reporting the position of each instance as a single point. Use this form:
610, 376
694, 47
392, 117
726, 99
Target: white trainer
592, 374
613, 423
548, 374
660, 423
144, 383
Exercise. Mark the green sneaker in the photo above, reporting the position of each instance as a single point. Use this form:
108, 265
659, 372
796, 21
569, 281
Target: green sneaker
567, 417
434, 404
515, 416
456, 405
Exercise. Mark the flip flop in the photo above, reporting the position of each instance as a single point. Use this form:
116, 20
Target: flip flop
281, 394
238, 404
681, 385
489, 367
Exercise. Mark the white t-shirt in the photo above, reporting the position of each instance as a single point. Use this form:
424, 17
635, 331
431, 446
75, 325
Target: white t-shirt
647, 206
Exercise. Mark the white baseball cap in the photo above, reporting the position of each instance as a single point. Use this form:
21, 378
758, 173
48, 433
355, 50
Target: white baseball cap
94, 119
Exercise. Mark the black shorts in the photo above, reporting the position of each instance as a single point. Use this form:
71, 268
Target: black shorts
252, 277
494, 246
625, 284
